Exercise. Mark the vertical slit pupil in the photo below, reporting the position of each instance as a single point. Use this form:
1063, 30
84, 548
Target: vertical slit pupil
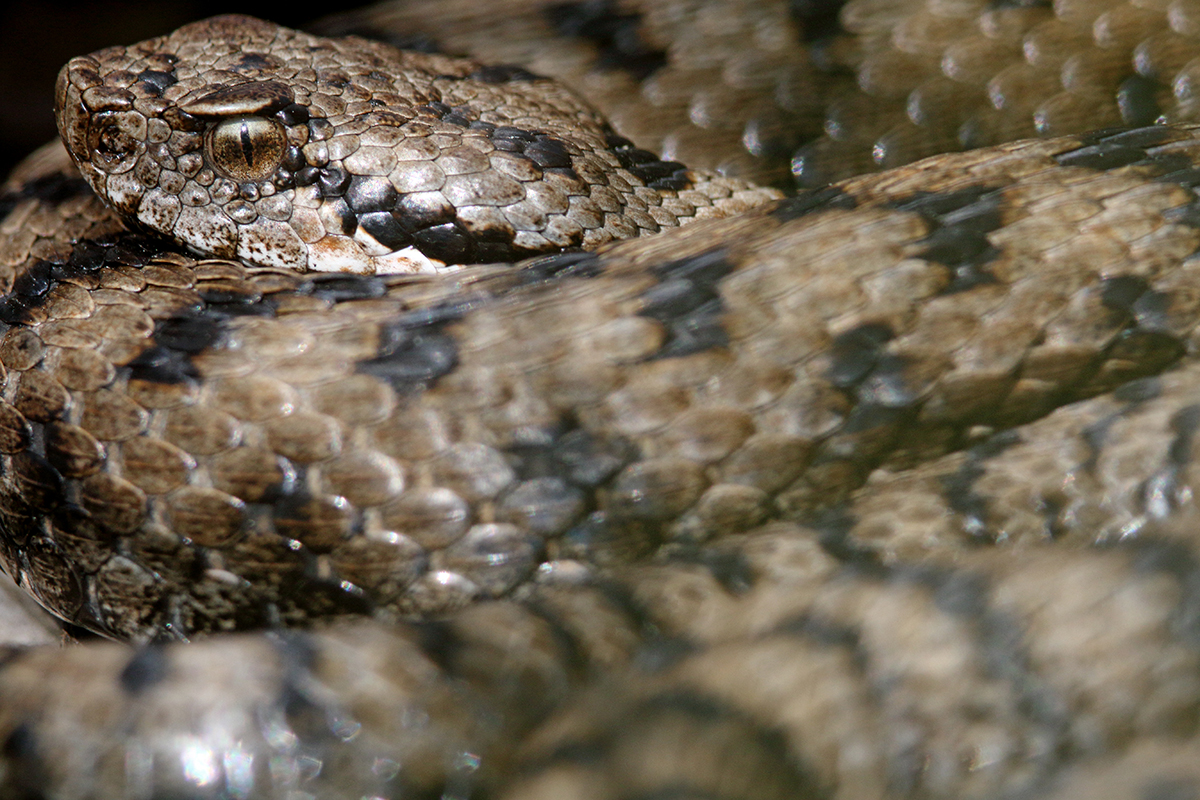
247, 143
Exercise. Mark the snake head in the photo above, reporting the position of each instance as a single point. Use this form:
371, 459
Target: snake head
243, 139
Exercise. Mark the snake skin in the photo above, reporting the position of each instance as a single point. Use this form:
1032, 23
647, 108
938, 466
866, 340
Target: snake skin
881, 490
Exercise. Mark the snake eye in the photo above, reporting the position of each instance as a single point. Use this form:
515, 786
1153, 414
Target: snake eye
116, 139
246, 148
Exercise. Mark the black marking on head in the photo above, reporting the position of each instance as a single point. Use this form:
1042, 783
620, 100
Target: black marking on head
155, 82
616, 35
811, 201
961, 221
958, 488
543, 150
367, 193
331, 181
147, 669
647, 167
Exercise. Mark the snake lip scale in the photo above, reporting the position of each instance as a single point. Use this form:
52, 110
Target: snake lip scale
426, 437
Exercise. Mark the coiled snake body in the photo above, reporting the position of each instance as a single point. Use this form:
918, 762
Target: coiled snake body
882, 489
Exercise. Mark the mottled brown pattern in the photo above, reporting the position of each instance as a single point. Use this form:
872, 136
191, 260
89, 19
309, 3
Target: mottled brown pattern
882, 490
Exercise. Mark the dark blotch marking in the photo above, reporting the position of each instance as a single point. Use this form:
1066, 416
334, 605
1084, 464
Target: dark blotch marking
616, 35
559, 266
1172, 558
51, 189
730, 568
340, 287
365, 194
331, 181
1137, 100
818, 19
1102, 156
156, 81
1121, 147
687, 301
439, 641
1171, 789
1160, 494
1139, 391
1121, 292
1149, 341
583, 458
503, 73
414, 351
293, 114
958, 488
32, 288
29, 774
961, 221
145, 670
999, 637
856, 352
812, 201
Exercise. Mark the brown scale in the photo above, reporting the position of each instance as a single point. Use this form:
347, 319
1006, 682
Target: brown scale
849, 548
893, 83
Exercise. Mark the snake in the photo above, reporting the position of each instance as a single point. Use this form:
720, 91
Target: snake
415, 433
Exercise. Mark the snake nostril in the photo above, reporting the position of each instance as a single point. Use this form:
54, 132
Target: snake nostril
116, 139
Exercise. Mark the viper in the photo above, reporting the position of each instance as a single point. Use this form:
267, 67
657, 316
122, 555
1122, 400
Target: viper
419, 434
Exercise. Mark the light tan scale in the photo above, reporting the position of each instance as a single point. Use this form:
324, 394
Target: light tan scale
911, 526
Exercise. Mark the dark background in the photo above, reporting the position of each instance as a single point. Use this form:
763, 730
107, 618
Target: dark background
36, 39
